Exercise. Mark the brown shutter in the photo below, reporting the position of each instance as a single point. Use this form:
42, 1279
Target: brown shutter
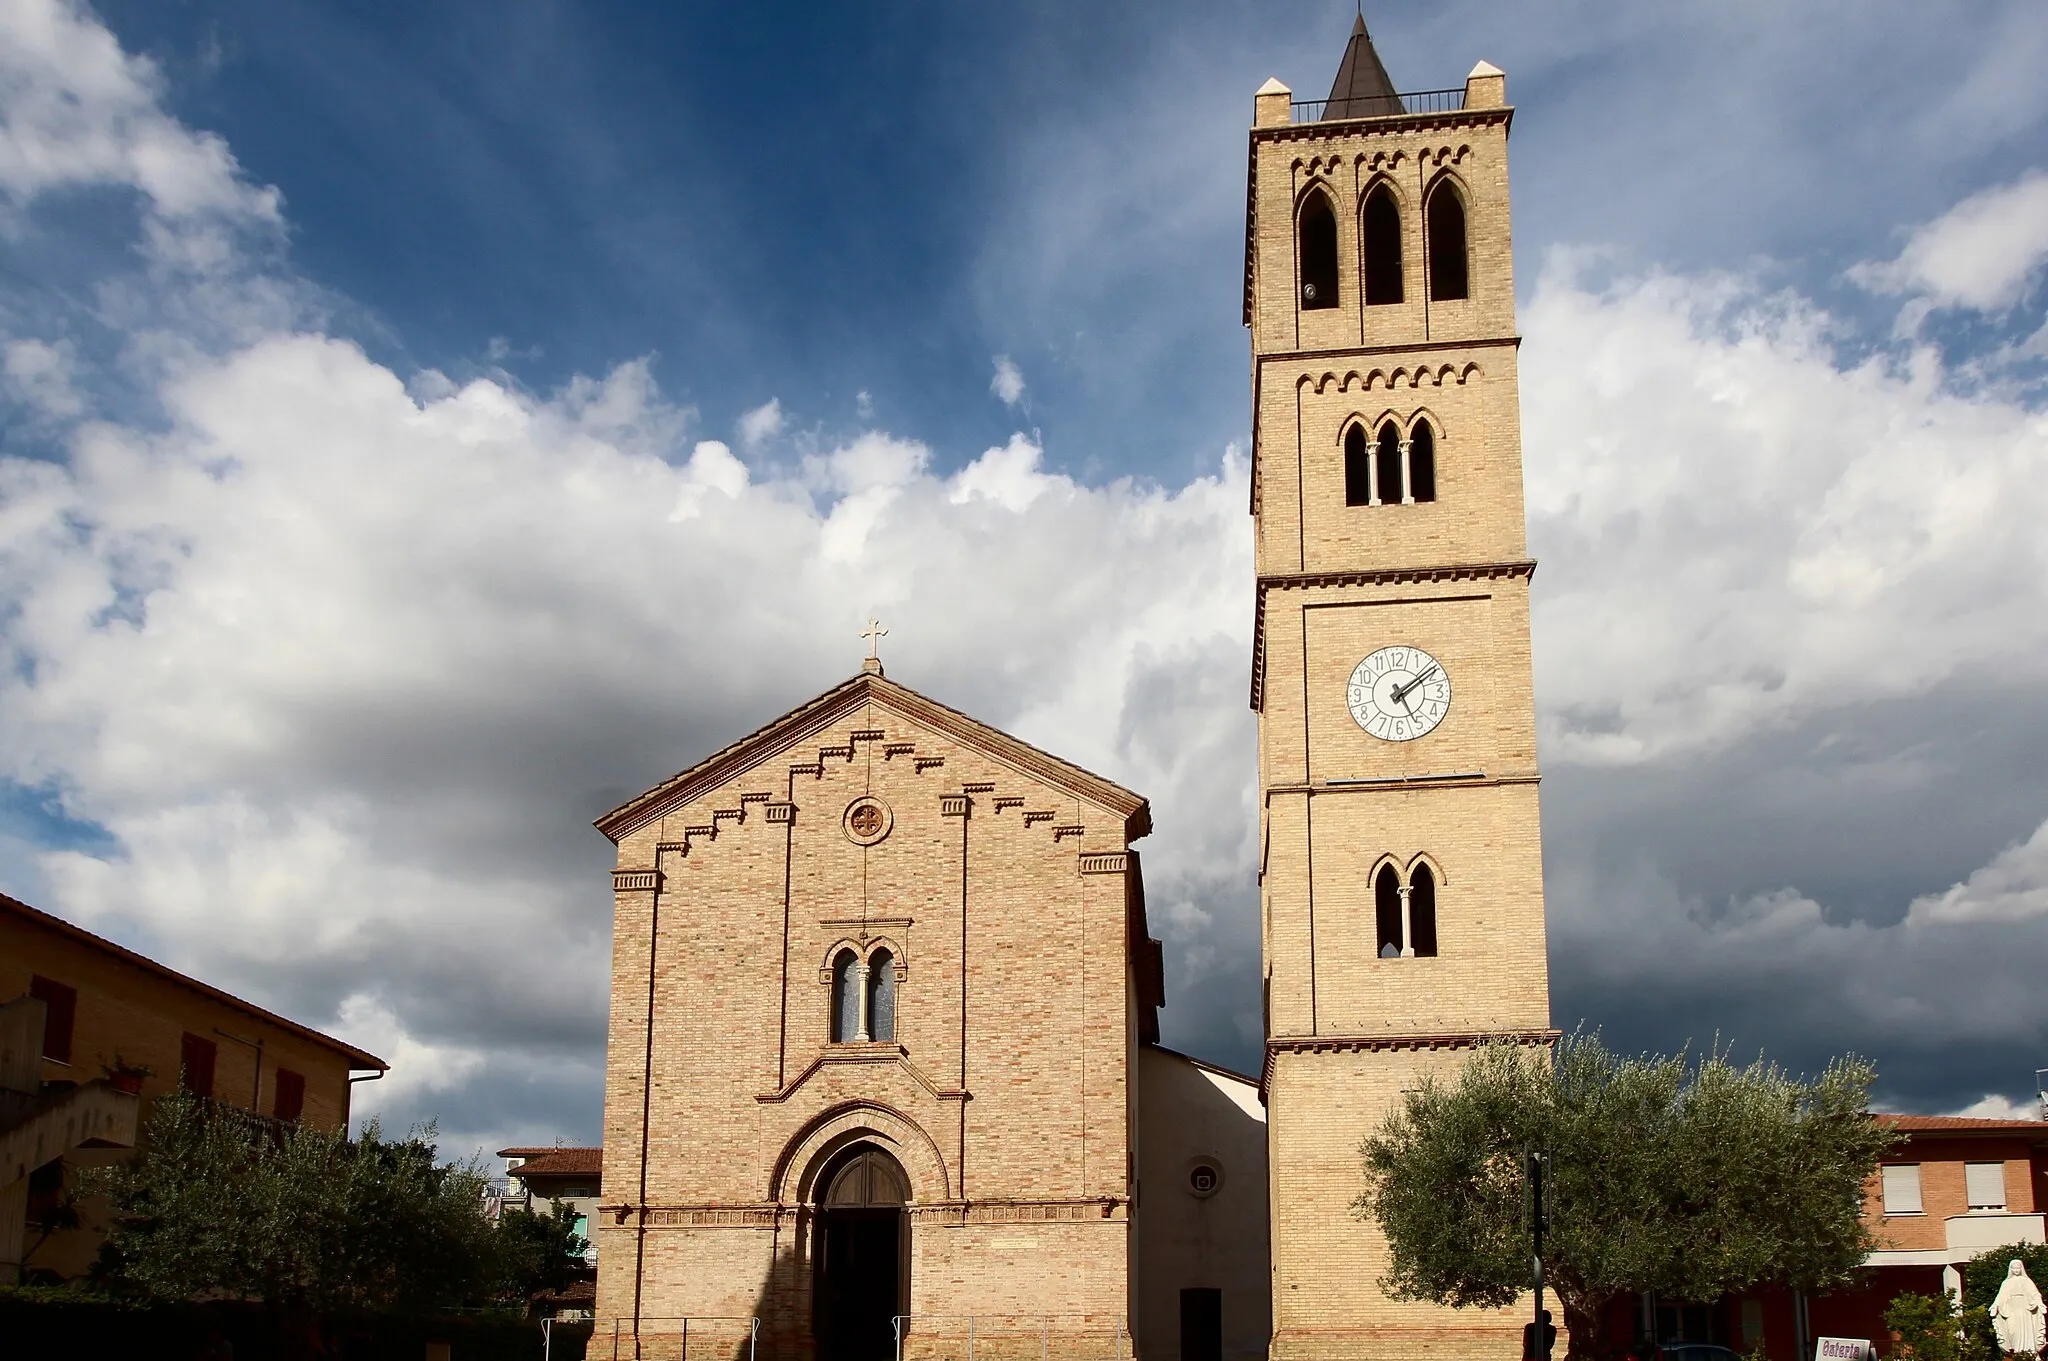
196, 1055
60, 1002
290, 1096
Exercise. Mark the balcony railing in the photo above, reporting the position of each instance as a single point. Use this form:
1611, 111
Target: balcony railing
1418, 101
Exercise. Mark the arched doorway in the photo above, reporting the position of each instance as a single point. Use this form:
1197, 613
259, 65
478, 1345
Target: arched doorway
861, 1254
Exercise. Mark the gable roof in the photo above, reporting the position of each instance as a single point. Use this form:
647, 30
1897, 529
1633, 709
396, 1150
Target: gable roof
359, 1060
1362, 88
872, 687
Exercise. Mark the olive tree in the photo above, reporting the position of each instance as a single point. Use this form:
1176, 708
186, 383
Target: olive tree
1689, 1178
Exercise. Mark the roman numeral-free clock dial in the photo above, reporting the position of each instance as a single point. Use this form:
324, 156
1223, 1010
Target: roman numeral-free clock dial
1399, 693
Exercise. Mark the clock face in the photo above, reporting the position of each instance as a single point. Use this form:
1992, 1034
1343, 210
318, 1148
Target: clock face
1399, 693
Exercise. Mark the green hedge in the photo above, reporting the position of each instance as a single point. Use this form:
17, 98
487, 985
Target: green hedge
61, 1322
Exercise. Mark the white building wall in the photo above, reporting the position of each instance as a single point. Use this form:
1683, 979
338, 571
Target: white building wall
1191, 1114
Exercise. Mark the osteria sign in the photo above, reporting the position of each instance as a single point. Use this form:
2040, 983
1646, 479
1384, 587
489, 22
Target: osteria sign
1843, 1349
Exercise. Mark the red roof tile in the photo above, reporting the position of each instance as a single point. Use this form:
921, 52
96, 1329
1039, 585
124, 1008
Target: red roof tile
1962, 1124
556, 1162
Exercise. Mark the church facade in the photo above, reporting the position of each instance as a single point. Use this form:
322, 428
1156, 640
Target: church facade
884, 1071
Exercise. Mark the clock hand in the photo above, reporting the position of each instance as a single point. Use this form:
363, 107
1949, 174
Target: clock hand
1401, 692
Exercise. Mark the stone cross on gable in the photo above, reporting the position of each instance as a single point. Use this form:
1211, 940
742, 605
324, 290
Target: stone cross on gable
874, 633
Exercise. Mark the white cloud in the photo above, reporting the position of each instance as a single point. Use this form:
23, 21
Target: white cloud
1996, 1107
2013, 887
1008, 383
1982, 254
76, 110
40, 375
761, 424
1780, 534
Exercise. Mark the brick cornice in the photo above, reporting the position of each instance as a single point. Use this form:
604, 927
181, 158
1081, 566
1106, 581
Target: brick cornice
1381, 1044
1384, 576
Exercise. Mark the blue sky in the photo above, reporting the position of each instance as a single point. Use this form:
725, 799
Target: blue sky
421, 428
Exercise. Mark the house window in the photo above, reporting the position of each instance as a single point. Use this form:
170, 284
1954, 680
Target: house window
1318, 236
1985, 1183
195, 1064
1446, 228
845, 998
1902, 1189
288, 1098
60, 1015
1382, 248
881, 996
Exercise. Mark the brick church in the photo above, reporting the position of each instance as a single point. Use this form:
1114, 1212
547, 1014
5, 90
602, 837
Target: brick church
884, 1065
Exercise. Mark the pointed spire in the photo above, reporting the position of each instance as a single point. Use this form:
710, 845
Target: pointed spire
1362, 89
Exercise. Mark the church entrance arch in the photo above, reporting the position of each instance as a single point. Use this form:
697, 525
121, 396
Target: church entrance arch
860, 1254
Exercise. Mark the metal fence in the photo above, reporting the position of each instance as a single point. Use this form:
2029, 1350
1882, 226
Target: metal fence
1011, 1337
1417, 101
670, 1339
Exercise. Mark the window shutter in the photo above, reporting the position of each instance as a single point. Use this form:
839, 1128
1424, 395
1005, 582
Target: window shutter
1986, 1185
195, 1057
60, 1006
1902, 1189
289, 1096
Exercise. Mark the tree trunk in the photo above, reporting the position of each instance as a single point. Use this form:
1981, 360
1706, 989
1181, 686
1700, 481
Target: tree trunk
1584, 1324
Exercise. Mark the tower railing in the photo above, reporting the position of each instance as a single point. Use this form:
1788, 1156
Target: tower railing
1012, 1337
1415, 101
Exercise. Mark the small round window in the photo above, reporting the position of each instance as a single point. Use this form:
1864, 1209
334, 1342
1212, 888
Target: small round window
1205, 1178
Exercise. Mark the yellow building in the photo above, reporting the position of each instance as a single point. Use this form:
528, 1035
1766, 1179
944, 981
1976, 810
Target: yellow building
92, 1034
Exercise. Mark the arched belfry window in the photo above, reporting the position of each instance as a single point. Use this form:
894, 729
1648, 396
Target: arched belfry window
1386, 900
1445, 223
1382, 221
1392, 488
1422, 911
881, 996
1357, 467
846, 989
1422, 462
1404, 914
1317, 232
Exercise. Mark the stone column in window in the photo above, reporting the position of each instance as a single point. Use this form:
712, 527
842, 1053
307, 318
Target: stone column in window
860, 981
1407, 499
1372, 473
1407, 923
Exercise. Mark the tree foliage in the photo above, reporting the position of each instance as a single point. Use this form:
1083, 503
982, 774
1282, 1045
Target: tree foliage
1688, 1178
1928, 1328
217, 1204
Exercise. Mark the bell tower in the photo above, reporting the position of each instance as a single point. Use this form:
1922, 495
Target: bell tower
1401, 873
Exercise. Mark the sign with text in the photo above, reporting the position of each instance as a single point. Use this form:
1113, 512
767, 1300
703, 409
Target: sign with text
1843, 1349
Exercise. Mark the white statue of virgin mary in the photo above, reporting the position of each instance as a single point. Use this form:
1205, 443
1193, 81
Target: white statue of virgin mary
2016, 1313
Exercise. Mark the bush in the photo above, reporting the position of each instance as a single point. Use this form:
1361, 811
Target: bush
1927, 1328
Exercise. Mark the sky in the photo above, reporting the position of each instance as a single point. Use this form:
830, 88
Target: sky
422, 428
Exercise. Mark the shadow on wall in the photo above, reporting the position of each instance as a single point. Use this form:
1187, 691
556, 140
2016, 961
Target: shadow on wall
784, 1308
